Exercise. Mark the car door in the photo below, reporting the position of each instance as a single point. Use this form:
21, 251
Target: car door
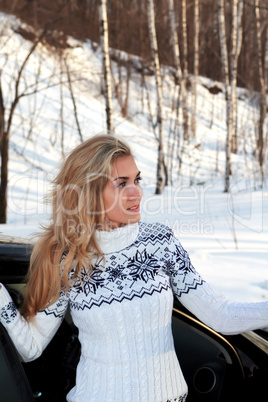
219, 368
14, 385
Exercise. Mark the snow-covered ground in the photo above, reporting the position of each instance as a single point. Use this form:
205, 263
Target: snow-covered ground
225, 234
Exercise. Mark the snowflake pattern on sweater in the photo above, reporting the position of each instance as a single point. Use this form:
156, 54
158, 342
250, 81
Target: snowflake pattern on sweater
145, 267
8, 313
180, 399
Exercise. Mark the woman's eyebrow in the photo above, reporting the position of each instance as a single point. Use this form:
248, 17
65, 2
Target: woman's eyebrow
126, 177
121, 178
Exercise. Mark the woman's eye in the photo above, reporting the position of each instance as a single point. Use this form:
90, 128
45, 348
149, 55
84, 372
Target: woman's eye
122, 184
138, 179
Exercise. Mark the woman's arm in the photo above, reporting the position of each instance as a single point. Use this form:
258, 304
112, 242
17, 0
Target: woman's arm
222, 315
31, 338
208, 305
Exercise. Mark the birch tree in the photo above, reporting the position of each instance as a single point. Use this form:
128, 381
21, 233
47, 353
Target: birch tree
185, 72
263, 106
225, 72
180, 78
230, 85
104, 39
196, 63
174, 40
160, 173
237, 11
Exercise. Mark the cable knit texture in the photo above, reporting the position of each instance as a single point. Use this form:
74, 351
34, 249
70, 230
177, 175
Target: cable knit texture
123, 312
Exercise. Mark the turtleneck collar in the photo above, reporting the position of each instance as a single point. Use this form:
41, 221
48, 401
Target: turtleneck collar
117, 239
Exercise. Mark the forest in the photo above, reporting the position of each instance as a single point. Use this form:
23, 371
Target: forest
223, 40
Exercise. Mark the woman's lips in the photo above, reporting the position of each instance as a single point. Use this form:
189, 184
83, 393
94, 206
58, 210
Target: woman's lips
135, 208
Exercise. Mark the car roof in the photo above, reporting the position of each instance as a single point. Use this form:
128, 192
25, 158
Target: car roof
14, 239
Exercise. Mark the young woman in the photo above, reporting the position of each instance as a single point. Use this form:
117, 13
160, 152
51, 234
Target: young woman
118, 276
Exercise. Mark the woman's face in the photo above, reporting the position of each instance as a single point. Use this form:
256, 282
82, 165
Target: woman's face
122, 194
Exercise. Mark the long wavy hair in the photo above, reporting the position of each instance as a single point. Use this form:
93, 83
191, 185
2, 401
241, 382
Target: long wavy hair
77, 211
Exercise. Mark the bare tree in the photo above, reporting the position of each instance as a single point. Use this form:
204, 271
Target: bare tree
180, 77
185, 72
225, 70
160, 160
128, 20
196, 63
237, 12
104, 38
61, 111
6, 127
121, 83
230, 84
263, 105
73, 99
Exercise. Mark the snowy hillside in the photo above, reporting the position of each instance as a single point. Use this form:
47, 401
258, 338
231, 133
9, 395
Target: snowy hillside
225, 234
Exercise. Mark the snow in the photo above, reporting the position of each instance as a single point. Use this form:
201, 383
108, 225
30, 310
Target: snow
225, 234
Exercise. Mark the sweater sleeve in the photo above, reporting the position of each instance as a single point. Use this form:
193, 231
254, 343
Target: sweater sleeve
208, 305
31, 338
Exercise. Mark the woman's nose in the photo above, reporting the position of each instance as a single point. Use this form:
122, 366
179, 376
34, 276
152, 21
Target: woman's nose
134, 192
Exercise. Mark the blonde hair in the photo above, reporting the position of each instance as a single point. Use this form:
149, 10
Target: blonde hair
77, 211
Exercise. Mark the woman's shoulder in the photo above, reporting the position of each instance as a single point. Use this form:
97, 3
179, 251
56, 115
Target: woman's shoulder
154, 230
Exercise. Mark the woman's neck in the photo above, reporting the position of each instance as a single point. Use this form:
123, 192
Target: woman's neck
116, 239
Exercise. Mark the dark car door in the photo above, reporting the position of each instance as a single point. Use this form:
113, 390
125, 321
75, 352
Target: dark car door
14, 385
219, 368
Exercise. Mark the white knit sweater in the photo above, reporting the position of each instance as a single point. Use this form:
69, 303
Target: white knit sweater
123, 313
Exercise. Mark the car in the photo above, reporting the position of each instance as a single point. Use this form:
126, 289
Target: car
216, 368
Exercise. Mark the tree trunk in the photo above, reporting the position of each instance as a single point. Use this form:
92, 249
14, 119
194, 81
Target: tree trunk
236, 48
4, 178
73, 100
230, 85
263, 105
160, 160
196, 63
180, 77
106, 63
185, 73
225, 72
2, 114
